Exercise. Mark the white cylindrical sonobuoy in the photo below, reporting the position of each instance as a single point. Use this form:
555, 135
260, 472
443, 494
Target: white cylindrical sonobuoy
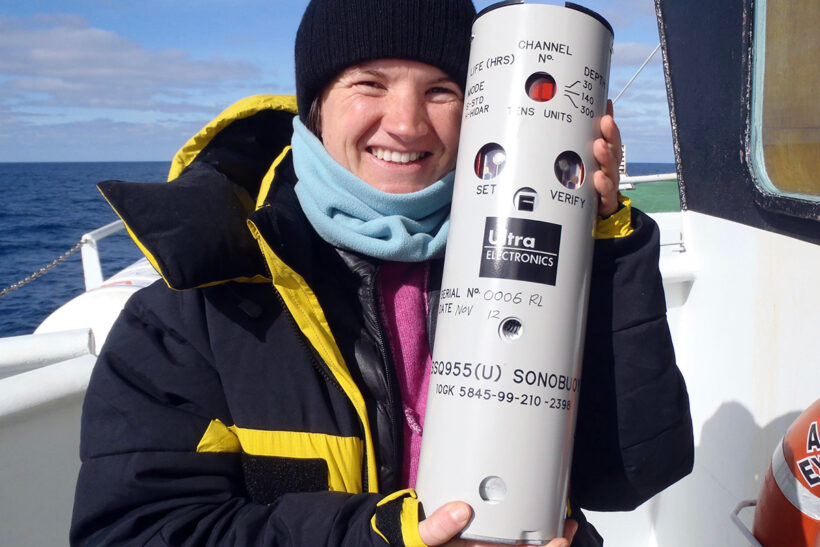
505, 379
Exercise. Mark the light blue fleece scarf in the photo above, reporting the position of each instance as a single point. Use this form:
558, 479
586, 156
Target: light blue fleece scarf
349, 213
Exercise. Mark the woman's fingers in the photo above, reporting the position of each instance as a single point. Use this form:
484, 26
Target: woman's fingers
445, 523
607, 152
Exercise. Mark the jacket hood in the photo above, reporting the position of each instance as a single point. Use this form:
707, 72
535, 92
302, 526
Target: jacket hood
194, 229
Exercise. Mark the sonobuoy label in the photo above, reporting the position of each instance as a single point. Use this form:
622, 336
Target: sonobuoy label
505, 377
522, 249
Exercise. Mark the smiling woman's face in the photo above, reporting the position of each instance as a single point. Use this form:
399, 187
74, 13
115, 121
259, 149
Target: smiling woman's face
393, 123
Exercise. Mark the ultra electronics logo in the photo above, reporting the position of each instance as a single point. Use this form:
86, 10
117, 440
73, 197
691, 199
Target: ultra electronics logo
515, 248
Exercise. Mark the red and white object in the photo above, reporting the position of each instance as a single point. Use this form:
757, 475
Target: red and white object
788, 508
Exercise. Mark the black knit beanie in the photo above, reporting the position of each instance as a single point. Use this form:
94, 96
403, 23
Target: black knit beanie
336, 34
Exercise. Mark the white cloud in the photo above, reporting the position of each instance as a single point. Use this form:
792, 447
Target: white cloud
93, 140
632, 54
62, 61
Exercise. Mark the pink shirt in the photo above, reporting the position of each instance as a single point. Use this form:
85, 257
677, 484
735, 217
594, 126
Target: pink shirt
403, 289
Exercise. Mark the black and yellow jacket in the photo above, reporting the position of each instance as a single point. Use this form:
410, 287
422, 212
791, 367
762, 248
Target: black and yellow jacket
254, 402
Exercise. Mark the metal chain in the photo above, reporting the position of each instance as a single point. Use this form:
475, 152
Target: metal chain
42, 271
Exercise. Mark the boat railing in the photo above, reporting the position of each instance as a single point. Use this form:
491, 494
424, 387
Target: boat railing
629, 182
19, 354
92, 267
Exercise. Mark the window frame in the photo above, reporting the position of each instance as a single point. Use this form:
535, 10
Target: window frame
767, 194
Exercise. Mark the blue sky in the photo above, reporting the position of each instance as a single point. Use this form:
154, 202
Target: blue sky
109, 80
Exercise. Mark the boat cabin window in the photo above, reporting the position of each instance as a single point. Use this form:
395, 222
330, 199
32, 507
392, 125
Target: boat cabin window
785, 116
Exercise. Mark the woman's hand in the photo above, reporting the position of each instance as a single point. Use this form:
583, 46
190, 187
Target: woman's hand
607, 152
448, 520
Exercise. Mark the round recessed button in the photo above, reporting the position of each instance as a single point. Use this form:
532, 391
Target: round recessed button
492, 489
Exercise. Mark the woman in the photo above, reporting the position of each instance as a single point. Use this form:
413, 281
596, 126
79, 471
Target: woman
228, 412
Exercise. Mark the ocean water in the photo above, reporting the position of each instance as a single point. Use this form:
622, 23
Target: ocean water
47, 207
45, 210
